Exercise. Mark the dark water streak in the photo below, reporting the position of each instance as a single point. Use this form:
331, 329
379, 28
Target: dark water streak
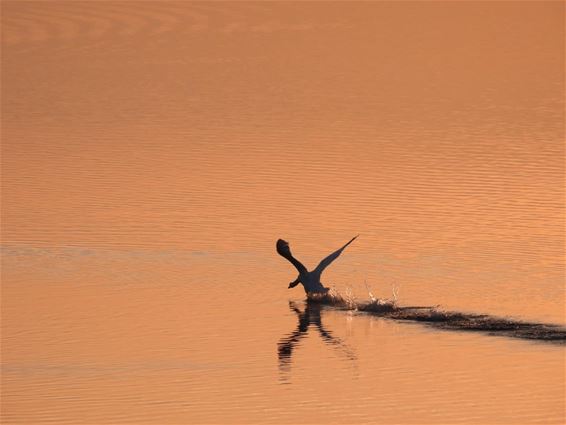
448, 320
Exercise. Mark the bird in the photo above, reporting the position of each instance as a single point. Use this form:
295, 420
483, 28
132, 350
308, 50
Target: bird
309, 280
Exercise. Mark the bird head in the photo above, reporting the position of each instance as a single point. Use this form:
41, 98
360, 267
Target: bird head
294, 283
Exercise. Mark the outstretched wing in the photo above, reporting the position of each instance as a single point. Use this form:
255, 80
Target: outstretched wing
326, 262
284, 250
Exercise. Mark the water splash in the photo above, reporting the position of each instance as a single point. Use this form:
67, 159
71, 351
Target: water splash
438, 318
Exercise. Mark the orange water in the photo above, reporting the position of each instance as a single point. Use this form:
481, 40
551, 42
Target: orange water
152, 153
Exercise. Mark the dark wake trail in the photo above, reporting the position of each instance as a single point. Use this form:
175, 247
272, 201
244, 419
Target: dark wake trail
449, 320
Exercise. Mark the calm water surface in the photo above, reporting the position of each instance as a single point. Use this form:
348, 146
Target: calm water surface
153, 152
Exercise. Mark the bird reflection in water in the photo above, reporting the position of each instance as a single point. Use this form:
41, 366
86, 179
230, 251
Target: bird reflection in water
311, 315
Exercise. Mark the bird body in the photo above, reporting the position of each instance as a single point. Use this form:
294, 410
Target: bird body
309, 279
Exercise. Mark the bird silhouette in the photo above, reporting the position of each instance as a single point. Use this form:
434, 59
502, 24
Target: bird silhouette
309, 280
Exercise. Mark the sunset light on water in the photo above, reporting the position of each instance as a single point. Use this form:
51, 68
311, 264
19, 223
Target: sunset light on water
153, 153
